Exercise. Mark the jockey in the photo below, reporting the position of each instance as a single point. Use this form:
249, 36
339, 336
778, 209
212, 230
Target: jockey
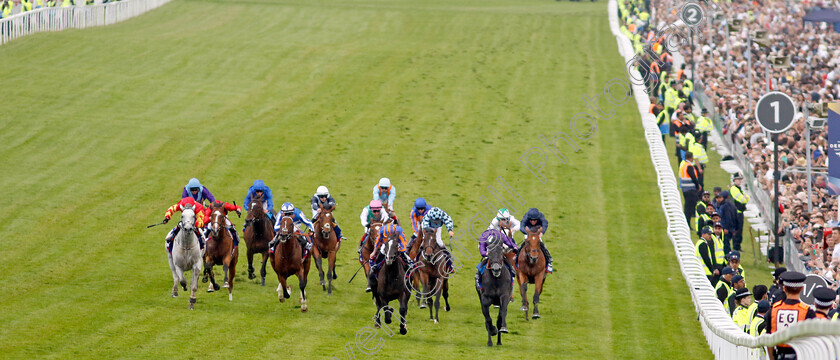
298, 218
226, 206
416, 216
322, 198
199, 193
379, 247
490, 237
385, 193
534, 219
259, 189
504, 215
372, 212
436, 219
199, 220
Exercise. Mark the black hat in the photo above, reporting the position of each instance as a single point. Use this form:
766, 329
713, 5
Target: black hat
717, 224
706, 230
727, 271
824, 296
703, 111
717, 189
741, 293
714, 213
734, 254
736, 278
793, 279
705, 193
763, 306
779, 271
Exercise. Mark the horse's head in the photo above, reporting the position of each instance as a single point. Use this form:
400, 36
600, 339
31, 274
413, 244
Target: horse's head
187, 218
256, 213
287, 229
533, 241
428, 244
373, 231
217, 217
494, 256
325, 222
392, 249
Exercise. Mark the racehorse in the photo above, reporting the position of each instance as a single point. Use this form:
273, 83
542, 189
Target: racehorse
413, 252
288, 260
325, 242
389, 284
432, 272
496, 290
531, 263
220, 250
258, 233
186, 254
505, 227
367, 247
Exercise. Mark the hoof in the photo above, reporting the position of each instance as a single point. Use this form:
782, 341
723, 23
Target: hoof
304, 309
192, 307
535, 316
324, 287
226, 285
368, 289
252, 276
436, 321
204, 279
447, 308
503, 331
422, 305
230, 297
524, 308
403, 331
262, 283
282, 299
174, 294
216, 286
493, 331
210, 288
323, 283
289, 290
490, 342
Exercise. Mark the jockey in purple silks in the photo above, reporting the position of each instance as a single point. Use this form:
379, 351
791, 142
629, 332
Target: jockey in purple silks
489, 238
198, 192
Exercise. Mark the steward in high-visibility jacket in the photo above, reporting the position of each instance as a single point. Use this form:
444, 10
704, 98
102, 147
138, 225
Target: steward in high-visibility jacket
789, 311
741, 313
66, 3
724, 288
6, 8
717, 236
39, 4
700, 210
25, 5
705, 126
704, 250
51, 3
757, 323
739, 198
685, 140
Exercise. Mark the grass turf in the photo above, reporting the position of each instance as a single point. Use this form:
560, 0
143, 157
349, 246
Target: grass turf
102, 127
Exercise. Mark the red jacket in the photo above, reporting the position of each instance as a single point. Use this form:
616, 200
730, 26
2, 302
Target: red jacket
199, 210
227, 207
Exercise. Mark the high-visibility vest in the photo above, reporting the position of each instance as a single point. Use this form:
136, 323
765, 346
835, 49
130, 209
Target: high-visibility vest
661, 118
836, 315
720, 256
708, 271
784, 315
51, 3
703, 205
687, 84
738, 196
729, 291
740, 316
25, 5
685, 180
757, 320
671, 98
39, 4
706, 218
699, 153
704, 124
65, 3
7, 8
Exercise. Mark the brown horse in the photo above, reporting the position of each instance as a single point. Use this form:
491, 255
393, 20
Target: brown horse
505, 227
220, 250
325, 242
367, 247
531, 263
288, 260
258, 233
432, 273
413, 251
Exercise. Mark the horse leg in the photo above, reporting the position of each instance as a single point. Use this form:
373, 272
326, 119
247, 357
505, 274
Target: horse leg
538, 284
488, 321
282, 287
317, 255
174, 276
231, 273
403, 313
262, 270
446, 294
225, 269
194, 284
415, 284
251, 275
331, 271
437, 304
522, 280
376, 322
302, 285
208, 266
501, 322
181, 279
208, 270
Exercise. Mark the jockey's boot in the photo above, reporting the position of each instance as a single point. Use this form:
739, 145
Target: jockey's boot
548, 263
172, 234
235, 237
271, 245
338, 233
362, 242
304, 243
407, 259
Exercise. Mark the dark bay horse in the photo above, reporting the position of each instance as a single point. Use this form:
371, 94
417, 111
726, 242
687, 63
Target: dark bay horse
388, 284
288, 260
258, 233
496, 290
367, 247
220, 250
325, 243
531, 264
432, 273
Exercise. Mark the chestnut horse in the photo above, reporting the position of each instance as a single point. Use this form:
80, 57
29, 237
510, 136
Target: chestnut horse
325, 242
432, 272
413, 252
220, 250
288, 260
258, 233
389, 284
367, 247
505, 227
531, 264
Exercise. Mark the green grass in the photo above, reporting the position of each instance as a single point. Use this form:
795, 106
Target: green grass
102, 127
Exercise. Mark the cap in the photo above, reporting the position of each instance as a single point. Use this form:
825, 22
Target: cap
734, 254
727, 271
824, 296
705, 193
706, 230
779, 271
717, 224
741, 293
703, 111
763, 306
737, 176
717, 189
736, 278
714, 213
793, 279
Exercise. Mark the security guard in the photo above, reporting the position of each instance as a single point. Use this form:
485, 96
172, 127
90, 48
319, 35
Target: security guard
688, 86
671, 99
823, 301
685, 140
690, 185
703, 214
788, 312
724, 288
741, 313
699, 155
717, 236
737, 284
25, 5
704, 250
776, 292
740, 200
6, 8
705, 126
734, 261
701, 207
757, 324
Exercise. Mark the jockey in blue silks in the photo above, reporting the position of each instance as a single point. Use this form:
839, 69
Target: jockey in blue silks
289, 210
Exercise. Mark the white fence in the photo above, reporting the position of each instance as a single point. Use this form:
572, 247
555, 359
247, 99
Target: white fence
812, 339
72, 17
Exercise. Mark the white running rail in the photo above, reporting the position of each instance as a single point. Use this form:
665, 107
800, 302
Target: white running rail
812, 339
72, 17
